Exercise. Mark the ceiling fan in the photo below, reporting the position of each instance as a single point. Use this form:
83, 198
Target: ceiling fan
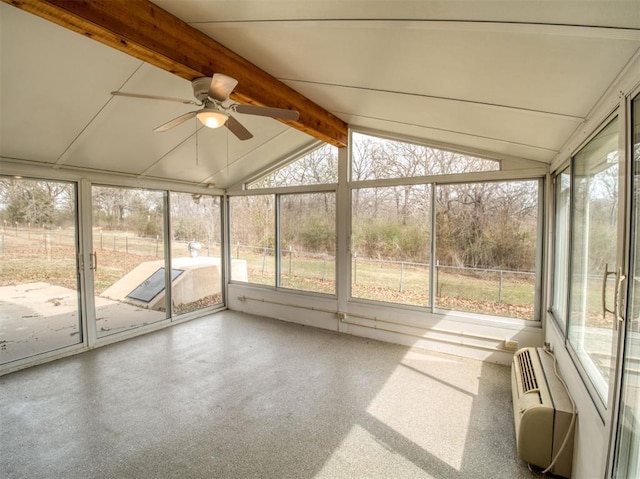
212, 95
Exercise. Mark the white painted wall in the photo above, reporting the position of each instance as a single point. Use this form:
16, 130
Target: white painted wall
591, 437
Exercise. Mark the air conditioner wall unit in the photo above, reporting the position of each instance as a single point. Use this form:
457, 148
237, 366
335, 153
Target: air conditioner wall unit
542, 411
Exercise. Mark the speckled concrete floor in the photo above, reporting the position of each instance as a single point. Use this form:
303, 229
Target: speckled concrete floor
238, 396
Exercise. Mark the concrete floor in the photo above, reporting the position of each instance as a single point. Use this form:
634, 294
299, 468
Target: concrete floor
238, 396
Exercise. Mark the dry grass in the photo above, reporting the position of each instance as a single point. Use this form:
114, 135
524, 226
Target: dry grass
32, 259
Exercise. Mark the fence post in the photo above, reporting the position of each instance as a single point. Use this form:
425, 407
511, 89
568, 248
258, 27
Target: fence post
500, 289
237, 249
264, 258
47, 245
355, 268
100, 239
114, 243
3, 242
290, 253
324, 267
126, 244
401, 274
157, 245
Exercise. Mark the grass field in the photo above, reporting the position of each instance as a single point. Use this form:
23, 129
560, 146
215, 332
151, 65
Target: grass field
50, 257
498, 293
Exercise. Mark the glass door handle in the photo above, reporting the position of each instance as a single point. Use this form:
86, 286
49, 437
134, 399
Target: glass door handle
94, 261
619, 317
605, 277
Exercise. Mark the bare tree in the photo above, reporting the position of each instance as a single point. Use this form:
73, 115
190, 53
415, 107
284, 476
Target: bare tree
37, 202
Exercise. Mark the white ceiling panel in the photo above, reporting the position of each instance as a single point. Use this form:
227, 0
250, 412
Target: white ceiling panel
53, 82
491, 148
278, 148
185, 162
218, 148
536, 134
121, 136
543, 69
606, 13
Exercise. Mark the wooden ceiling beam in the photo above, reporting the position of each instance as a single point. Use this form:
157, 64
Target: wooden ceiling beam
145, 31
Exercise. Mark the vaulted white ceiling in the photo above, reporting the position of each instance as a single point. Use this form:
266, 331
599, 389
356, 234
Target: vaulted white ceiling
513, 79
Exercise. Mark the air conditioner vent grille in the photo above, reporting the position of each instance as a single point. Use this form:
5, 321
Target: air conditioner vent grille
529, 381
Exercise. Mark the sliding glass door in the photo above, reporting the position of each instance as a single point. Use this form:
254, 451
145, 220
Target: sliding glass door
596, 259
128, 258
196, 252
39, 295
81, 262
627, 457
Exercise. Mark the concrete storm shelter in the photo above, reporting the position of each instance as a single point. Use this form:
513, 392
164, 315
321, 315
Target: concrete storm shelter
335, 279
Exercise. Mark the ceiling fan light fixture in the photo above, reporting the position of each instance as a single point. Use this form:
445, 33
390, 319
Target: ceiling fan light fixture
211, 118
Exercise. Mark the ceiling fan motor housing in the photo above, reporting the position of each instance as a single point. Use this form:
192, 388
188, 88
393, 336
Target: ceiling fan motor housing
201, 88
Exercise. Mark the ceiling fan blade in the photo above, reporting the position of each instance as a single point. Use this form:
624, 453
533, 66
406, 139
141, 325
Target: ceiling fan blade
267, 111
153, 97
237, 129
221, 86
176, 121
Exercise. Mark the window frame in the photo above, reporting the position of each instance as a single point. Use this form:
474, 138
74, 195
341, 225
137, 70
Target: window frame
454, 149
433, 181
279, 251
217, 220
429, 187
602, 405
559, 317
228, 239
275, 193
247, 185
540, 221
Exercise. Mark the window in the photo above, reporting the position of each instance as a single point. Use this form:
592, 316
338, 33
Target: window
487, 232
376, 158
195, 250
486, 242
315, 168
482, 257
288, 240
594, 246
252, 239
308, 242
390, 250
561, 246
